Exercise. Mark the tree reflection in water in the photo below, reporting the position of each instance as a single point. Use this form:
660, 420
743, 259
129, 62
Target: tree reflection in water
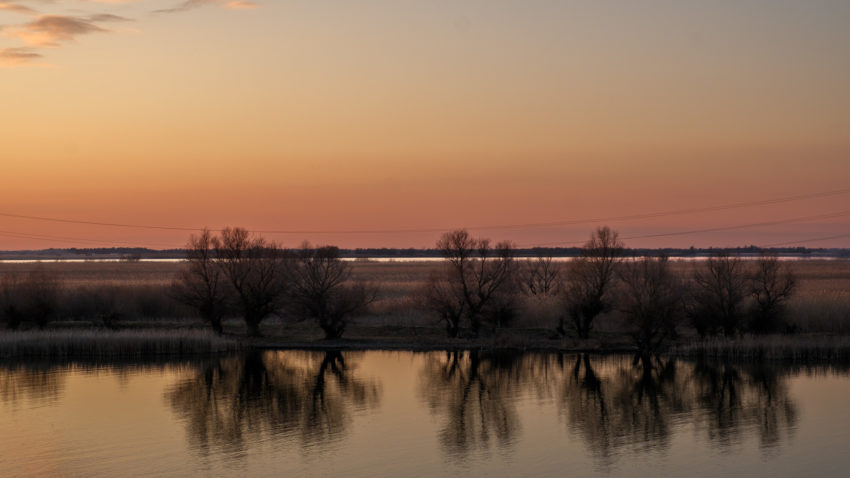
474, 393
628, 406
37, 382
612, 403
609, 403
310, 395
635, 406
738, 400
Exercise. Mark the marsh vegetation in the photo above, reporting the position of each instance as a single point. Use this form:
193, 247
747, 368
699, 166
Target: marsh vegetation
482, 295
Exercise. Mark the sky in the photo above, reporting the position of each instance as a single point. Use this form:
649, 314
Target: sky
381, 123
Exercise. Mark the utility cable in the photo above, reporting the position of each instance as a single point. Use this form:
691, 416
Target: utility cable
565, 222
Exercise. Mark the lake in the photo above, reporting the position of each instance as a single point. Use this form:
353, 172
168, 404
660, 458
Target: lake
316, 413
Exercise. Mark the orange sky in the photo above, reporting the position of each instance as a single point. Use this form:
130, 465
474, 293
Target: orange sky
392, 116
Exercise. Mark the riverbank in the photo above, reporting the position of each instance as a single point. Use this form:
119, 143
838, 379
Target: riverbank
805, 348
71, 344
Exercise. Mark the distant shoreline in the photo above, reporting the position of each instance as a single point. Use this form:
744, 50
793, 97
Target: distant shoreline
400, 254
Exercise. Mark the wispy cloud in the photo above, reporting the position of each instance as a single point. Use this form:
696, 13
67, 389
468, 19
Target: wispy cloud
17, 8
56, 25
193, 4
106, 17
52, 30
240, 4
17, 56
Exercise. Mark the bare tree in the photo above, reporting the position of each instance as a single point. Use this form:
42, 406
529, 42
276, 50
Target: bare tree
258, 273
202, 284
476, 282
13, 314
541, 276
34, 297
651, 302
321, 290
587, 293
718, 291
771, 285
444, 295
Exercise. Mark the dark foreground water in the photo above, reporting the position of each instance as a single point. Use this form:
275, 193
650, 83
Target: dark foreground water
371, 414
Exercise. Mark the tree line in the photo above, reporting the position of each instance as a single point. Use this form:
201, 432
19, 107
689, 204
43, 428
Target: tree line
480, 286
245, 274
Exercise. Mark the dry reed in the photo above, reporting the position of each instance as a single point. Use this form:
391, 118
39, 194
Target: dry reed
135, 344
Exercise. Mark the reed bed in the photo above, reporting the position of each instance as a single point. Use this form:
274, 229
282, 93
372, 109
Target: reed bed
139, 294
97, 344
793, 348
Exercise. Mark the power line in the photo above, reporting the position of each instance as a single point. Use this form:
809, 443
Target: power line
677, 212
591, 221
816, 239
75, 240
96, 223
565, 222
713, 229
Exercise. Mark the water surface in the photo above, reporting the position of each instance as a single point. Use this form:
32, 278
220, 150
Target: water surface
297, 413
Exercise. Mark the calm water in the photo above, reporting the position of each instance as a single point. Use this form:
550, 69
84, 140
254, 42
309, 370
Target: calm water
294, 413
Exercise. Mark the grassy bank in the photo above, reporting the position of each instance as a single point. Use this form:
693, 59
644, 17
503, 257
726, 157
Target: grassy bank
145, 344
91, 344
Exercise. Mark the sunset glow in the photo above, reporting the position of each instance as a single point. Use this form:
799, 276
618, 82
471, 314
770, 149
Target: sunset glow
381, 123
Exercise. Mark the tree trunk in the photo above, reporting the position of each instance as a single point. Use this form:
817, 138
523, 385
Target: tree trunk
216, 325
253, 325
333, 328
452, 329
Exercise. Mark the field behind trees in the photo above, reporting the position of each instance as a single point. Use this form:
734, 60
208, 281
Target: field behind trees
140, 295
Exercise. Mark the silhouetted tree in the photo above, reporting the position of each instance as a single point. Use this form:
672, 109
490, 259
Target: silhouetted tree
259, 274
650, 302
201, 284
771, 285
320, 290
718, 290
477, 283
587, 293
444, 295
34, 297
13, 313
541, 276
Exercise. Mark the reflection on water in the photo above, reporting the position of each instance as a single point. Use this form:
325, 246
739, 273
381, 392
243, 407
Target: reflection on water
279, 412
740, 400
636, 406
474, 393
612, 404
269, 394
37, 383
